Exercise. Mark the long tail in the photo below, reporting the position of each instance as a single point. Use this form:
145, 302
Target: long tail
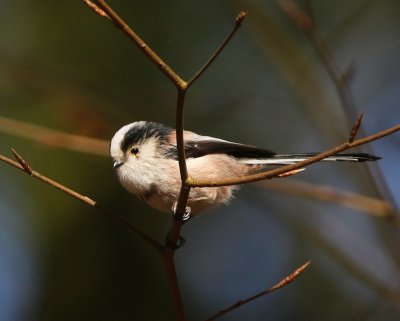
287, 159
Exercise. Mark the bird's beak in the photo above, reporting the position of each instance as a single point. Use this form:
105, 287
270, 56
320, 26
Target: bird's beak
117, 163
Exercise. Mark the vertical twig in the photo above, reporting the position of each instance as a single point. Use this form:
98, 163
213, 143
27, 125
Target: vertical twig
103, 9
172, 277
179, 133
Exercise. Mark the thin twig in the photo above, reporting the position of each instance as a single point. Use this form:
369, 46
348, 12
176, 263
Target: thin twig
24, 166
96, 9
356, 128
238, 22
167, 253
322, 240
367, 205
178, 217
305, 23
123, 26
180, 144
172, 277
84, 144
182, 86
193, 182
341, 81
53, 137
287, 280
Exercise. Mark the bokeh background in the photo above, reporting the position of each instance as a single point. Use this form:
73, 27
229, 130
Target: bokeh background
63, 67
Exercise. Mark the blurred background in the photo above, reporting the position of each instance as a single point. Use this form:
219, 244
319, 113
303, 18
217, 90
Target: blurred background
63, 67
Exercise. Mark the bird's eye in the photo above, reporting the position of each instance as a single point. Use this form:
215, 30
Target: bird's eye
134, 150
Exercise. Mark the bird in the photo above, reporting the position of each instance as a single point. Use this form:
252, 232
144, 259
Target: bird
145, 158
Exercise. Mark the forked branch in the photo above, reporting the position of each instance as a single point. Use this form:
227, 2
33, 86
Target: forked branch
103, 9
238, 22
138, 41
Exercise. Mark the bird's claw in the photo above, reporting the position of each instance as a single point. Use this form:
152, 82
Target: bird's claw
186, 216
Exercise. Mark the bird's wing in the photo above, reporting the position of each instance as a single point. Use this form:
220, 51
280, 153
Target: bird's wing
197, 146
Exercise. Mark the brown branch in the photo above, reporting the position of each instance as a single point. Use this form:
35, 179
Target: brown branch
179, 218
24, 166
193, 182
287, 280
306, 23
150, 53
356, 128
53, 137
96, 9
368, 205
180, 144
180, 209
238, 22
89, 145
167, 253
319, 238
182, 86
341, 80
170, 270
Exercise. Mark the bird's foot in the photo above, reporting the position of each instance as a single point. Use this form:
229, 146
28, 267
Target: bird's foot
185, 217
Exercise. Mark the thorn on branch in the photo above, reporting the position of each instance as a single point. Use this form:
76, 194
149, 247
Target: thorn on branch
356, 128
96, 9
27, 169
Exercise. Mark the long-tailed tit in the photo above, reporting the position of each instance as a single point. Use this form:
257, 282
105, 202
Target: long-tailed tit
145, 158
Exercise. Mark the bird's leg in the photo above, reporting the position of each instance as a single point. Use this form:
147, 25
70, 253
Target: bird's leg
182, 220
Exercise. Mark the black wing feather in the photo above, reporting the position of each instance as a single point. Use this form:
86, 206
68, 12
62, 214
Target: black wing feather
200, 148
